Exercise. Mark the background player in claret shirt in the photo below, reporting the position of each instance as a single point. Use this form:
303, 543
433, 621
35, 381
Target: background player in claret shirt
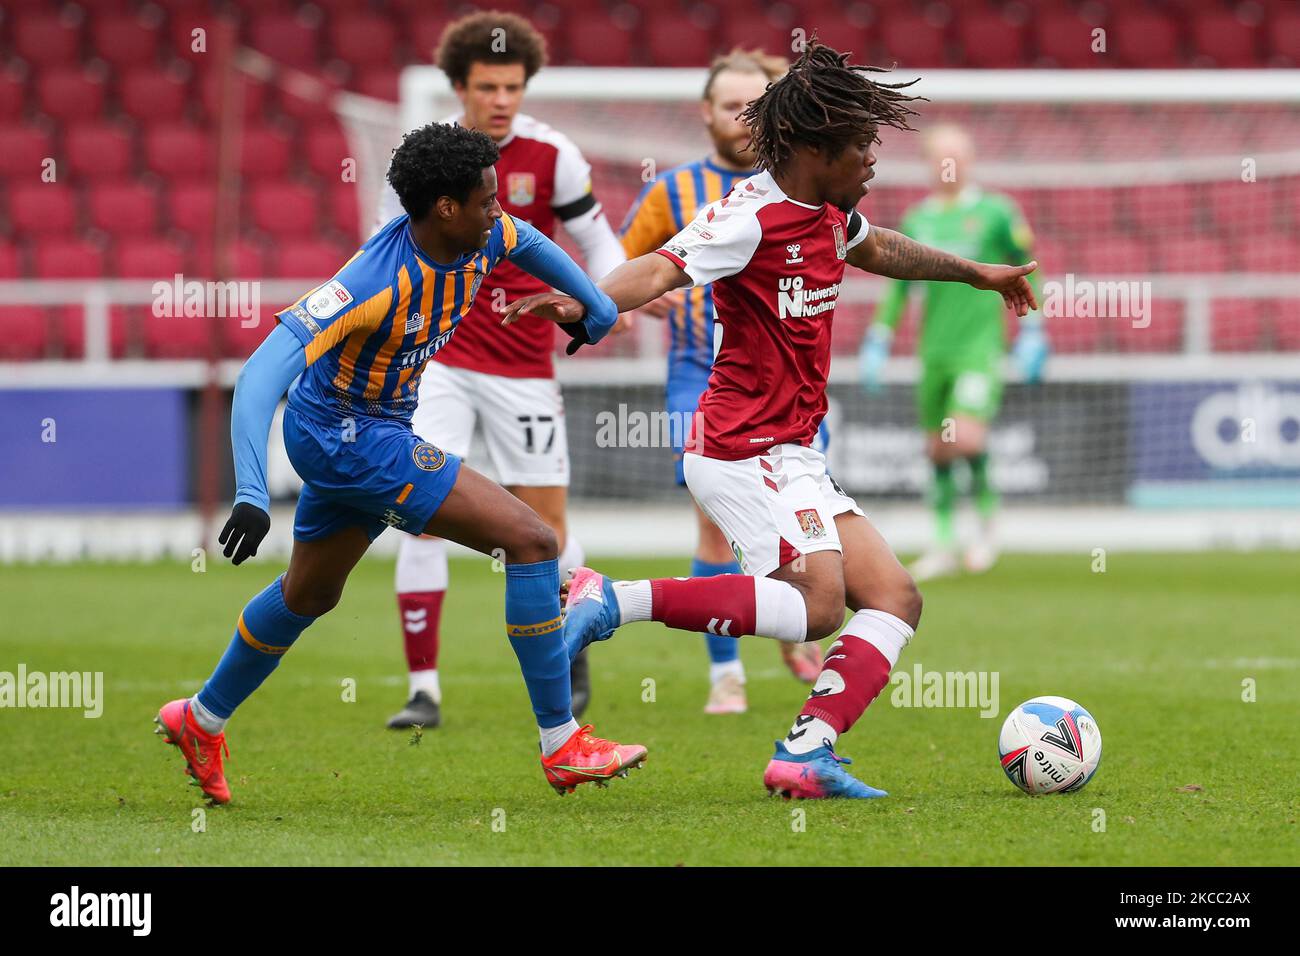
775, 250
353, 350
502, 378
963, 338
664, 207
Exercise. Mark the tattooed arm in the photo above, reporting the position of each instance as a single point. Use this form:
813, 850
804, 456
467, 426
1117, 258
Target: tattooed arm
892, 254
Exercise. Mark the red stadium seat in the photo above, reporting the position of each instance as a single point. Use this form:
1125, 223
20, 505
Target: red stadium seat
179, 149
65, 258
192, 205
326, 148
177, 336
344, 212
1065, 39
673, 42
1238, 325
767, 32
125, 40
1268, 251
152, 94
1233, 206
363, 39
844, 31
48, 39
252, 95
265, 153
286, 38
1286, 325
1193, 254
1164, 333
11, 261
1225, 39
1074, 333
247, 259
42, 209
381, 82
124, 208
1284, 38
991, 41
99, 150
1161, 210
24, 333
913, 41
424, 29
73, 93
25, 148
312, 259
1145, 39
597, 40
149, 257
1089, 211
1113, 255
13, 94
285, 209
71, 323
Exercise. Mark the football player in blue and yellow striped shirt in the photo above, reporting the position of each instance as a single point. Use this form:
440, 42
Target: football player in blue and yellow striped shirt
350, 353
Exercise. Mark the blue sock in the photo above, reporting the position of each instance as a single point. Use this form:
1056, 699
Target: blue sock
536, 633
722, 650
266, 630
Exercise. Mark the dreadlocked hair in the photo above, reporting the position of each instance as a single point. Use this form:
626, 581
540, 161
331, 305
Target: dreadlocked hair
823, 103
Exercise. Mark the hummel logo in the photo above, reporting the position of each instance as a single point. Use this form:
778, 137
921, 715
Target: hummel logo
799, 722
723, 631
820, 693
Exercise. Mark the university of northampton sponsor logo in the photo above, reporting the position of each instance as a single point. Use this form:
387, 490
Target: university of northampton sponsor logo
521, 188
810, 522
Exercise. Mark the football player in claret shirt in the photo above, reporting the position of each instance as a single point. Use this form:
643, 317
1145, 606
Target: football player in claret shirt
664, 207
775, 251
503, 379
351, 353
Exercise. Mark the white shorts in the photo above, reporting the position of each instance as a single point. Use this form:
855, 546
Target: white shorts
522, 418
772, 507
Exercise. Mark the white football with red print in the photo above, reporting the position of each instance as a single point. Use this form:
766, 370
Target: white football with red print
1049, 745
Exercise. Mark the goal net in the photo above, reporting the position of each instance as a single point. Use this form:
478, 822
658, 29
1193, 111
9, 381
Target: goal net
1166, 213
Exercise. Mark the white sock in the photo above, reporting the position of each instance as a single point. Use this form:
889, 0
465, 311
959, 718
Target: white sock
427, 681
733, 668
421, 565
779, 611
634, 600
572, 556
206, 718
553, 738
880, 629
816, 733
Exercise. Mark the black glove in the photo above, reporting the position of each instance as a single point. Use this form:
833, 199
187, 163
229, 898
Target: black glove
244, 531
578, 332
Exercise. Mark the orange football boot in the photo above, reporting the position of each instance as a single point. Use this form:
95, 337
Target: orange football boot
588, 759
202, 750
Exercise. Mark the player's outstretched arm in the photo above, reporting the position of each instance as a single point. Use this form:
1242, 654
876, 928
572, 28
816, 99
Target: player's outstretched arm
892, 254
630, 286
266, 376
541, 257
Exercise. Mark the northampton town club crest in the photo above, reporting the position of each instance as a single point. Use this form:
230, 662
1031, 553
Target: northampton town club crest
521, 188
811, 523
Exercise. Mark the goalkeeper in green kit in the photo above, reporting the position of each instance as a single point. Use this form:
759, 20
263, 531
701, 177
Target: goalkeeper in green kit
961, 344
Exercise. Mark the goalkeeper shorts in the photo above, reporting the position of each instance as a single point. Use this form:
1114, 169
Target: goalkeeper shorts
947, 391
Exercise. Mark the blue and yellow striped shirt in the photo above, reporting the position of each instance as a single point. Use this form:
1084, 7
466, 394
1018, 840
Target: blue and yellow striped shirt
664, 208
369, 331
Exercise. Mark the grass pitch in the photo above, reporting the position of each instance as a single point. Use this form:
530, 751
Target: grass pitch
1160, 648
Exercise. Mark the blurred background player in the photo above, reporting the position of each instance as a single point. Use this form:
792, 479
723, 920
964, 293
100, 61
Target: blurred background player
501, 377
663, 209
962, 342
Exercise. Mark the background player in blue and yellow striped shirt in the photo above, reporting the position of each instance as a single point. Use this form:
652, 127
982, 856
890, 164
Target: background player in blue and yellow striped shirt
351, 353
664, 207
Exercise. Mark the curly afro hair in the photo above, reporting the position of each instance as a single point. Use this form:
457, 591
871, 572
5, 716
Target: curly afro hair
492, 37
441, 159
